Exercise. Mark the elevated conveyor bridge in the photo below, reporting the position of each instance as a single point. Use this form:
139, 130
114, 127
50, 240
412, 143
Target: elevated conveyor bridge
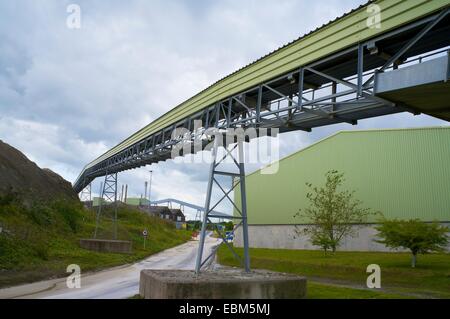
347, 70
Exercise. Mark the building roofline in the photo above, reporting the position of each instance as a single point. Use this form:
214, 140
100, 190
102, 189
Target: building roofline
354, 132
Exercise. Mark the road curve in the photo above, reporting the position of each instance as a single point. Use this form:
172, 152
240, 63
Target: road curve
115, 283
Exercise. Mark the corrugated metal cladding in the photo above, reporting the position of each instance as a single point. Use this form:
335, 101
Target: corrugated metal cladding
404, 173
337, 35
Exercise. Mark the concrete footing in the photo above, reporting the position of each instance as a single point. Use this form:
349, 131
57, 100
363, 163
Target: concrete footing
226, 283
109, 246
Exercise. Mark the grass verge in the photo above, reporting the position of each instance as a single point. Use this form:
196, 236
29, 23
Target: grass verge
40, 241
343, 274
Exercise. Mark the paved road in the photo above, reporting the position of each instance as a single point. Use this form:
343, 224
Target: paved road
115, 283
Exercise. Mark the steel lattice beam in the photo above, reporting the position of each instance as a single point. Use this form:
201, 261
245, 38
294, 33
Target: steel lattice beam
317, 94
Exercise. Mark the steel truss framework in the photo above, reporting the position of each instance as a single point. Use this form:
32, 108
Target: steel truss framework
237, 178
108, 196
86, 193
336, 89
170, 201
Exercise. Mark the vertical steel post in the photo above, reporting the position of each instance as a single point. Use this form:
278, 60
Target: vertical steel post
333, 92
360, 69
301, 76
258, 105
150, 191
244, 206
230, 106
85, 195
99, 211
115, 206
198, 263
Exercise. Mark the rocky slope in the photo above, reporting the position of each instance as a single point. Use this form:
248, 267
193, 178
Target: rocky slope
23, 177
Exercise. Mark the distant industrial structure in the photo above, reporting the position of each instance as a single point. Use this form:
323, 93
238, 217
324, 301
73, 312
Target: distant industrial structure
164, 212
403, 173
163, 208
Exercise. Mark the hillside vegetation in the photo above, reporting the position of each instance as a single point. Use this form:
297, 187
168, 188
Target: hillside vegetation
40, 241
42, 221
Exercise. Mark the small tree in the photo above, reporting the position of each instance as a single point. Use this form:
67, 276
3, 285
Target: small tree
333, 213
415, 235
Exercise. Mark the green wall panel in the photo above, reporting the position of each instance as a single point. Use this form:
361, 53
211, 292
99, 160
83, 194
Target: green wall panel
403, 173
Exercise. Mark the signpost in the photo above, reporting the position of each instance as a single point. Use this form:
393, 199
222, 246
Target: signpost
145, 234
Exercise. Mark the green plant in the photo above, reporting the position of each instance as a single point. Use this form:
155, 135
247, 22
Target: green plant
415, 235
7, 198
40, 239
333, 213
40, 214
70, 212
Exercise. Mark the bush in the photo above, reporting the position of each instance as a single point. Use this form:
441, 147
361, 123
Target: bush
415, 235
40, 214
334, 213
70, 212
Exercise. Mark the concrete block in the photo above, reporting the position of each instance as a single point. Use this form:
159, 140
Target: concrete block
225, 283
109, 246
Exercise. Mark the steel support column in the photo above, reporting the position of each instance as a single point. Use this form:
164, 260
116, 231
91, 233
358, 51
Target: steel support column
86, 194
237, 178
109, 196
243, 206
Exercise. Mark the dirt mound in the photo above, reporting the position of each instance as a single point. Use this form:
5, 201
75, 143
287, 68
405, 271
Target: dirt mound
21, 176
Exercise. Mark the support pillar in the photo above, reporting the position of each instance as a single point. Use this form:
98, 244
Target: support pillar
108, 195
85, 195
238, 178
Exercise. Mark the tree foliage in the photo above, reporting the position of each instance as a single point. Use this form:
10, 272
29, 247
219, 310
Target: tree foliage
333, 213
415, 235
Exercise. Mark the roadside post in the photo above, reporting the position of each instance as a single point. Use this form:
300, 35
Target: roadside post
145, 234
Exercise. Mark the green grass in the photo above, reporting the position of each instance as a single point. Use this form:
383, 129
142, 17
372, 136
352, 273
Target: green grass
40, 241
317, 290
431, 277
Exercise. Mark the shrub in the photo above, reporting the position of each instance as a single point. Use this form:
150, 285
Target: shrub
415, 235
333, 213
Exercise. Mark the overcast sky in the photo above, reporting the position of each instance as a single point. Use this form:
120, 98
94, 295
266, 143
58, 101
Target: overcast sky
68, 95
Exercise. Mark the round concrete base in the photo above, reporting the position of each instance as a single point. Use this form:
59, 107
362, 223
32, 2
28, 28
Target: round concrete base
225, 283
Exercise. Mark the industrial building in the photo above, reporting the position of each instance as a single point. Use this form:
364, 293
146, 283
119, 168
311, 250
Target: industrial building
403, 173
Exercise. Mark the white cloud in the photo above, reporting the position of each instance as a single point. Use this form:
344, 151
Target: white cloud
49, 145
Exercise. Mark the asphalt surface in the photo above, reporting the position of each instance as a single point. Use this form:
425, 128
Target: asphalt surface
115, 283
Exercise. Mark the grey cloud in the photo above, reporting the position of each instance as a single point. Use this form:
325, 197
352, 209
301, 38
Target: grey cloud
68, 95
